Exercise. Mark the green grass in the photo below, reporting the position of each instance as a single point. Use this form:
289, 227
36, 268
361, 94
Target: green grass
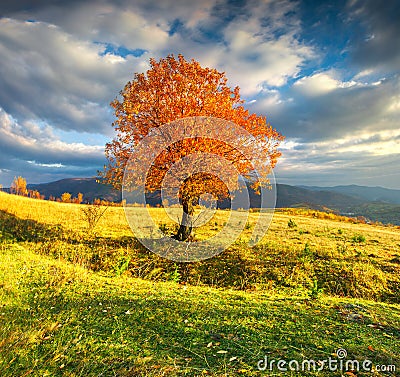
58, 319
75, 303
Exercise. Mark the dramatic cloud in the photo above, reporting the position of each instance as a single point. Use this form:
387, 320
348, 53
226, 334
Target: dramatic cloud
49, 75
37, 146
328, 165
338, 131
320, 107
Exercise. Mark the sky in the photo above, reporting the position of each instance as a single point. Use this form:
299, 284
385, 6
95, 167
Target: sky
324, 73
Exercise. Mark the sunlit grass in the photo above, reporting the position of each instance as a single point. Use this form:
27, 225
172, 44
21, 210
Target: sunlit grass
328, 235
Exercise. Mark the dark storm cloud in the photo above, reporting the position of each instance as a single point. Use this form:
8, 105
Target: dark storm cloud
378, 42
11, 6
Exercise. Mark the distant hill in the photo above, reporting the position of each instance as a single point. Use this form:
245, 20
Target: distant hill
371, 194
87, 186
374, 203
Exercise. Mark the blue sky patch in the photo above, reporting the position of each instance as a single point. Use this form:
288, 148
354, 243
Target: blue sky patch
122, 50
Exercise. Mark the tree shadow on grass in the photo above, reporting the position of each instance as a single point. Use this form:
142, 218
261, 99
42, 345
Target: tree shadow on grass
105, 253
238, 267
15, 228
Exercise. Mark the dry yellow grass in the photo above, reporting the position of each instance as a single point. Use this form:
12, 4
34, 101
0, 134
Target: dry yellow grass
330, 237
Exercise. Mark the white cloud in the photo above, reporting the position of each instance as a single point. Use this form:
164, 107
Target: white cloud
378, 143
265, 63
36, 142
394, 105
322, 83
326, 108
369, 159
265, 52
363, 74
49, 75
46, 165
122, 24
70, 82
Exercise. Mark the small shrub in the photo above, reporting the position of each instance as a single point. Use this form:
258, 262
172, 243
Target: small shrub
66, 197
291, 224
306, 254
18, 186
163, 227
175, 275
92, 215
358, 238
121, 266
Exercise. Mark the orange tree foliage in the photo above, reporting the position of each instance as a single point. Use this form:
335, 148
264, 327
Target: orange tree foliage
172, 89
18, 186
66, 197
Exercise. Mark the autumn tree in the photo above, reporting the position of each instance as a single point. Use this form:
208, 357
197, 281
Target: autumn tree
176, 89
78, 199
35, 194
66, 197
18, 186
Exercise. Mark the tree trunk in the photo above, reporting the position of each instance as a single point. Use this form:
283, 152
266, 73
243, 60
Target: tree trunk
185, 229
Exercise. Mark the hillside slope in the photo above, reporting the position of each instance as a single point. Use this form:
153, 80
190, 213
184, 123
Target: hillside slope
72, 303
291, 196
342, 199
367, 255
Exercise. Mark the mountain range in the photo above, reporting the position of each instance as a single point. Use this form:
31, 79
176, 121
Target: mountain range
374, 203
374, 194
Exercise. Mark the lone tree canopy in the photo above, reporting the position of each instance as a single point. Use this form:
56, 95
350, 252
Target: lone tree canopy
170, 90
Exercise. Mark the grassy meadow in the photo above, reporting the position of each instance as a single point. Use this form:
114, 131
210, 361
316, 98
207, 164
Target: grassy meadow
92, 301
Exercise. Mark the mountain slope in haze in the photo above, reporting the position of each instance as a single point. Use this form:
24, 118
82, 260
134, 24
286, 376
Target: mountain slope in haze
371, 194
292, 196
